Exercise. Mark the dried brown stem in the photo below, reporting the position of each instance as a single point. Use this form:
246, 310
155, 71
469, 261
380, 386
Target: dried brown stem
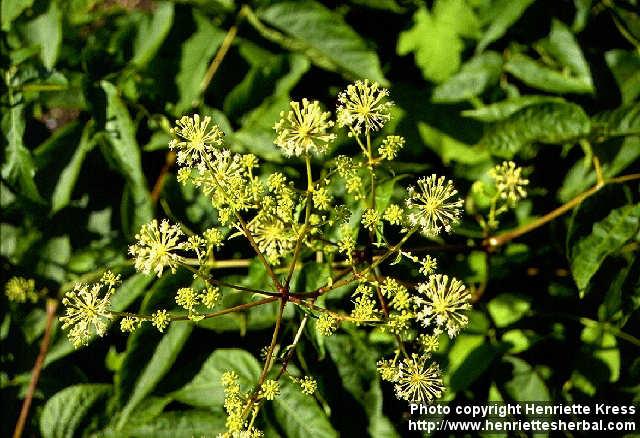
52, 305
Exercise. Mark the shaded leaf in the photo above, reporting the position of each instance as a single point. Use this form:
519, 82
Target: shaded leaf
177, 424
67, 180
505, 309
501, 110
18, 168
11, 9
299, 415
525, 383
552, 123
473, 78
159, 364
152, 32
606, 237
125, 151
197, 51
64, 412
45, 31
538, 75
206, 391
504, 13
325, 38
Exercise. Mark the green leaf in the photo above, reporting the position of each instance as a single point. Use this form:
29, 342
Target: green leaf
625, 66
206, 391
197, 51
605, 349
606, 237
152, 32
504, 13
449, 149
177, 424
475, 363
552, 123
518, 340
45, 31
505, 309
356, 363
125, 152
525, 383
537, 75
160, 363
18, 168
473, 78
562, 46
501, 110
324, 37
64, 412
623, 121
299, 415
67, 180
11, 9
435, 43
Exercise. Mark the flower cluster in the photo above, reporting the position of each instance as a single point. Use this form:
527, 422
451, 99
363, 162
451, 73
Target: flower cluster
433, 206
88, 309
303, 129
510, 184
20, 290
339, 220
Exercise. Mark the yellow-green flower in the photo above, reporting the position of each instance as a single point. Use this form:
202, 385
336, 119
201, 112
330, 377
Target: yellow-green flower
370, 219
270, 389
210, 296
429, 343
19, 290
388, 370
393, 214
326, 324
308, 385
87, 308
509, 182
433, 206
303, 129
364, 309
156, 247
390, 147
418, 382
363, 106
129, 324
443, 303
160, 320
428, 265
195, 140
187, 298
321, 198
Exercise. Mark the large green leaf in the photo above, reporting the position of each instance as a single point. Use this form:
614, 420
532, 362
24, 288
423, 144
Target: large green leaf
604, 348
562, 45
176, 424
552, 123
621, 122
299, 415
324, 37
505, 309
473, 78
525, 383
18, 168
160, 363
11, 9
538, 75
45, 31
356, 363
625, 66
67, 180
197, 51
125, 152
152, 32
502, 14
503, 109
206, 391
435, 43
606, 237
64, 412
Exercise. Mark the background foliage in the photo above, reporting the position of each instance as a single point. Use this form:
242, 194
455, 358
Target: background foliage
90, 88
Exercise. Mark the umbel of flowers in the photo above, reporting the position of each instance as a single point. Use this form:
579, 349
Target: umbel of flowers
333, 215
